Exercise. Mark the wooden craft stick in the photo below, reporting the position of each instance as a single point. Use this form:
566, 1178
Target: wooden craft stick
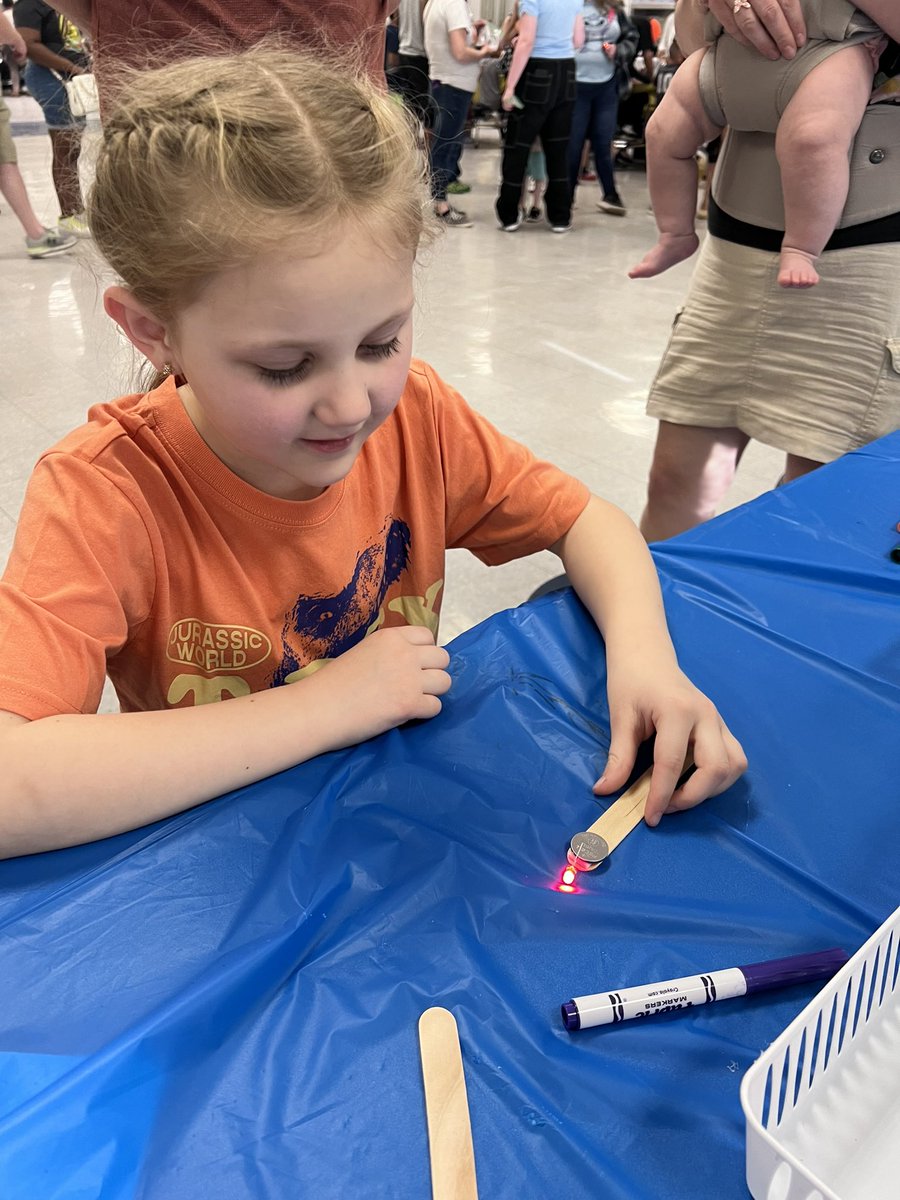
587, 850
446, 1106
620, 818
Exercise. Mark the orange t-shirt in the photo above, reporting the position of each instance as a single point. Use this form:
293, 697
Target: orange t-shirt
144, 33
139, 553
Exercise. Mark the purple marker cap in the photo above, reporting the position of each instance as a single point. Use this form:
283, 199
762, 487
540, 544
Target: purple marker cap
798, 968
570, 1015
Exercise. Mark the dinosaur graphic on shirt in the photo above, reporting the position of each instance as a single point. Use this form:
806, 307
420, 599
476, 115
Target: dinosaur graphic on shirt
321, 627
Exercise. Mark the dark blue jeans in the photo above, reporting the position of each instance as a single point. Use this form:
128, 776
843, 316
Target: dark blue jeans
594, 119
451, 109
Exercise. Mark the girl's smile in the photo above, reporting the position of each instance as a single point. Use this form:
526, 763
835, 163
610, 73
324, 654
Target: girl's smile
321, 446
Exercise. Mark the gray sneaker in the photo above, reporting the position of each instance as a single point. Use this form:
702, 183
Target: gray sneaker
51, 241
455, 218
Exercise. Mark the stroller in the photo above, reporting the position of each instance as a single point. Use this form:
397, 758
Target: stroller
486, 111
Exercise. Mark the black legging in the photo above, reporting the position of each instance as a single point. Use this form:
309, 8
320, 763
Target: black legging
547, 92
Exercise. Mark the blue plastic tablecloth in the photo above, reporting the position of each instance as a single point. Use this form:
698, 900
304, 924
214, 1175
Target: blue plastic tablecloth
225, 1004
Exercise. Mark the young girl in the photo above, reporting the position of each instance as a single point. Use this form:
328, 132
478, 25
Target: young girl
275, 509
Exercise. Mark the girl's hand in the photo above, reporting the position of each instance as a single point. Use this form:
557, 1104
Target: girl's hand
644, 698
392, 676
506, 100
773, 27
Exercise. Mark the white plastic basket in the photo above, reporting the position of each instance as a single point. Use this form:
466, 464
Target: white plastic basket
822, 1104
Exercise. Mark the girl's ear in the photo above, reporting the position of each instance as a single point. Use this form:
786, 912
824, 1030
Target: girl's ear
141, 327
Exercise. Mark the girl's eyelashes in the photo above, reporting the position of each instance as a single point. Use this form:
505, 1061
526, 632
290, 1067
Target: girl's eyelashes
287, 375
382, 349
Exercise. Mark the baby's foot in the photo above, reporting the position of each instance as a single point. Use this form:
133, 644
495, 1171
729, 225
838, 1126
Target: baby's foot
671, 248
797, 269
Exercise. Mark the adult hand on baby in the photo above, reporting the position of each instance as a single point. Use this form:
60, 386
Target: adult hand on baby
773, 27
391, 676
644, 700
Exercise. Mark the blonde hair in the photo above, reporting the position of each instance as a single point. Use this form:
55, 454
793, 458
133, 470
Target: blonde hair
210, 161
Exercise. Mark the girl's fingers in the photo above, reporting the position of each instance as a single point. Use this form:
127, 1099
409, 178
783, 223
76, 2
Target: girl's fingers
672, 740
623, 747
435, 682
720, 761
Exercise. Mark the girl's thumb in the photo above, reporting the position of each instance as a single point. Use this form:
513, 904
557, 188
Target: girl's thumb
619, 765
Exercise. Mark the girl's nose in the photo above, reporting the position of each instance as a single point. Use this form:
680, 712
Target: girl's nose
344, 401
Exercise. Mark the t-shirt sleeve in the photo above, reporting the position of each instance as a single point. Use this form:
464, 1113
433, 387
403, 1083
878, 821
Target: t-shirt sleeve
27, 15
458, 15
501, 501
78, 581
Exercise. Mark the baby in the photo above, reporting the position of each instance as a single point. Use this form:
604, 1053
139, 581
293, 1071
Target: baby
813, 104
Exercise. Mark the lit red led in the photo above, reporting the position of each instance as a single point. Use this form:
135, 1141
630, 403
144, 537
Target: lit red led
567, 884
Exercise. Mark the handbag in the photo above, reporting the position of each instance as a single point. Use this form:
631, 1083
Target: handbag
81, 91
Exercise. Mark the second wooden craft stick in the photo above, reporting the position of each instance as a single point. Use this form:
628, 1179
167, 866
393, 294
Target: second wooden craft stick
447, 1109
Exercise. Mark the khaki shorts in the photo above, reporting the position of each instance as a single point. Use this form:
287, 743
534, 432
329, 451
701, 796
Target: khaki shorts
7, 146
811, 372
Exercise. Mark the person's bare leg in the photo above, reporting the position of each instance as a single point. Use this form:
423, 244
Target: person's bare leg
674, 132
12, 185
795, 467
813, 148
691, 471
66, 144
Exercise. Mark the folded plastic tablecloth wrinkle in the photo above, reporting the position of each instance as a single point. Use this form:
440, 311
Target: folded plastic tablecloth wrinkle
224, 1004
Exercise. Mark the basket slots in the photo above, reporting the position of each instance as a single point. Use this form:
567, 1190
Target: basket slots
823, 1102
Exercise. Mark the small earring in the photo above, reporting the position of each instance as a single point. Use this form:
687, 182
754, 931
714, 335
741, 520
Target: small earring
165, 370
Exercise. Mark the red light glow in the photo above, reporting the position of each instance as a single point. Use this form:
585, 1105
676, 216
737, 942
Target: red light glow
567, 883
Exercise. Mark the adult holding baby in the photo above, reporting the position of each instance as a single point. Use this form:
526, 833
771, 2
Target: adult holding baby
813, 103
816, 373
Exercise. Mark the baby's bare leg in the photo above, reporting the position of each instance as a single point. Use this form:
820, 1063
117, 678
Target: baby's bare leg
813, 144
675, 131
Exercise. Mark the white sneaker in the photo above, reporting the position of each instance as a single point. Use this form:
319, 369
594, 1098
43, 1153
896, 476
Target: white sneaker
76, 224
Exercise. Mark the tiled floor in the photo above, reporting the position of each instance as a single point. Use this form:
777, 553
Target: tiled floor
543, 333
